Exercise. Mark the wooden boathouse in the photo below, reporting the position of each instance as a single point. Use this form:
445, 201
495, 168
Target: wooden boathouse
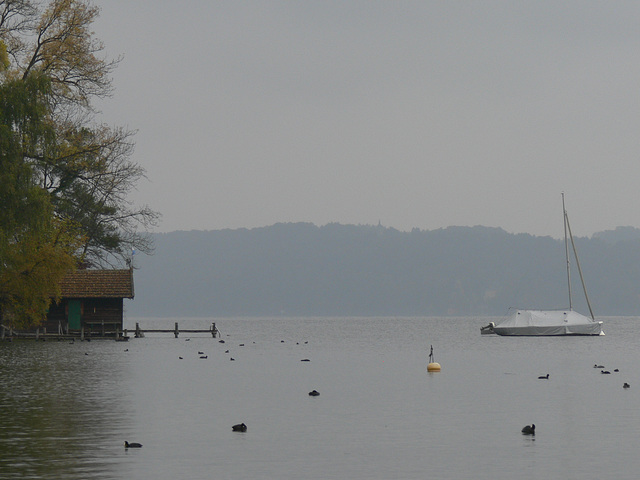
91, 301
92, 305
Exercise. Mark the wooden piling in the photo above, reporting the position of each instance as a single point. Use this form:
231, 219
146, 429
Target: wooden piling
176, 331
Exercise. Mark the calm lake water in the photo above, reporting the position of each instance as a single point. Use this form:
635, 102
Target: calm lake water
66, 409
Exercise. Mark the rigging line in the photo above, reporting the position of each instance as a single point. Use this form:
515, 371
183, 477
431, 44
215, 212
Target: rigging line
575, 253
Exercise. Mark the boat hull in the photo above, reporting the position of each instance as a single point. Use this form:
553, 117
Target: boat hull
548, 323
550, 331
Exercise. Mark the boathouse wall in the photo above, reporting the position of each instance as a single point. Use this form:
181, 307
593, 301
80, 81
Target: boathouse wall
91, 300
94, 312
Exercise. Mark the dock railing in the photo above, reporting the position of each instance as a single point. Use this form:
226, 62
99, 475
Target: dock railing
139, 332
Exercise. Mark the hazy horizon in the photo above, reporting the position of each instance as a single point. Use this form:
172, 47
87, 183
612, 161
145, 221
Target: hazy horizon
555, 237
413, 114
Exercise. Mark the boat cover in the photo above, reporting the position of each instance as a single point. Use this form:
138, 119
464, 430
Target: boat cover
548, 322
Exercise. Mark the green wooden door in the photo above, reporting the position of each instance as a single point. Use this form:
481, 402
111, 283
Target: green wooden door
74, 314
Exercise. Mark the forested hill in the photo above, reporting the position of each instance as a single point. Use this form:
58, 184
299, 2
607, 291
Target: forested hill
342, 270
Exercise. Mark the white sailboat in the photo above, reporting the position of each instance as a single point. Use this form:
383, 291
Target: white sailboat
554, 322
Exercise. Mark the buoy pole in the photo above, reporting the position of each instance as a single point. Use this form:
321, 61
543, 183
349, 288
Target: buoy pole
433, 366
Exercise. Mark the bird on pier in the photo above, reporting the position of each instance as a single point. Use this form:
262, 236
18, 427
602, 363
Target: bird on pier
132, 445
241, 427
529, 430
314, 393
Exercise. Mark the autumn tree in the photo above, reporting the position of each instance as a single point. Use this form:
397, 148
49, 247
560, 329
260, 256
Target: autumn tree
87, 170
65, 178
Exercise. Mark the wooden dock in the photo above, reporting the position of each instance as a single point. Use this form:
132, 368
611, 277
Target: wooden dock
139, 332
8, 333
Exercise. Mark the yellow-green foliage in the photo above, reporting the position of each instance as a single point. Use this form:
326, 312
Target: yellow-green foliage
4, 57
33, 268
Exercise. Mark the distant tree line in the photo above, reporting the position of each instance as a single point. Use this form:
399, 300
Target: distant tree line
64, 177
304, 270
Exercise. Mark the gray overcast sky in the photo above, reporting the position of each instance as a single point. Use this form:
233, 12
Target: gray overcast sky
416, 114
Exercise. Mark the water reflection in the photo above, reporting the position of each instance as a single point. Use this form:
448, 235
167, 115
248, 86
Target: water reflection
66, 409
61, 407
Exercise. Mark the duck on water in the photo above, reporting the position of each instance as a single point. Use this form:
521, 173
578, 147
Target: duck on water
240, 427
529, 430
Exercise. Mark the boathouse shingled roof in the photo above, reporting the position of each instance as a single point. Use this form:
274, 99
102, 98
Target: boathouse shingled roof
98, 284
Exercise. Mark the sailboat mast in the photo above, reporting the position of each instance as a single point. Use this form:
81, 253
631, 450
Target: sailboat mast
566, 250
